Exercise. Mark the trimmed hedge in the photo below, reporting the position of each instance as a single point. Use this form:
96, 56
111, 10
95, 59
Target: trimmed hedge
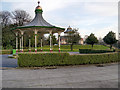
94, 51
6, 52
58, 59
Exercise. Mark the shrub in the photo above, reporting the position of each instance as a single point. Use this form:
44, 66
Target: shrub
94, 51
57, 59
9, 47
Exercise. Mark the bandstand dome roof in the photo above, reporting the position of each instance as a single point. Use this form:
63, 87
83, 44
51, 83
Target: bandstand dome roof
39, 23
38, 7
38, 20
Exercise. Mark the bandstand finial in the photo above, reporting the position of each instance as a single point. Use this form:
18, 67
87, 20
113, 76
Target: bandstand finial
38, 3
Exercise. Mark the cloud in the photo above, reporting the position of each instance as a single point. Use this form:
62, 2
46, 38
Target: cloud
103, 9
99, 32
29, 6
106, 30
90, 16
61, 0
93, 6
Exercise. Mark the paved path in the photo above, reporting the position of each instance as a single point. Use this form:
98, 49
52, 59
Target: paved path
62, 77
7, 62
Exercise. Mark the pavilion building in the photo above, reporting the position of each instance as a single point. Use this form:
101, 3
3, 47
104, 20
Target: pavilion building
38, 24
64, 39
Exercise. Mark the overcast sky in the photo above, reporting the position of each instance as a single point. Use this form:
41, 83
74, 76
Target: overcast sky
90, 16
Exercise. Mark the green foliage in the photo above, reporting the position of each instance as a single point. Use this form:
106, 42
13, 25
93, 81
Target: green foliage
119, 55
6, 52
8, 37
110, 39
11, 20
54, 40
91, 39
58, 59
98, 47
66, 48
86, 51
9, 47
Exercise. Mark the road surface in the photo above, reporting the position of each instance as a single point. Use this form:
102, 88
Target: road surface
62, 77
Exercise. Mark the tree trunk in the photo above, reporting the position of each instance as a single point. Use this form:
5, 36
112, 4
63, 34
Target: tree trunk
92, 45
111, 46
71, 47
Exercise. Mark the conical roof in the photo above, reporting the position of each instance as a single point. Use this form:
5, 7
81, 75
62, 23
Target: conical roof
38, 20
40, 23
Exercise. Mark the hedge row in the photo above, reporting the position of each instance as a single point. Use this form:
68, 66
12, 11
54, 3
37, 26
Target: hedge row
94, 51
57, 59
6, 52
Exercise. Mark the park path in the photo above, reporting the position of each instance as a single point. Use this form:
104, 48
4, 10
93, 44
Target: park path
88, 76
62, 77
7, 62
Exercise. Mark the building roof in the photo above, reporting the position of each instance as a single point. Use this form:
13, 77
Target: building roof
69, 29
39, 22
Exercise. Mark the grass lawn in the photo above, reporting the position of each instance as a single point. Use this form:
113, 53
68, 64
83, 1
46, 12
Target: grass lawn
64, 48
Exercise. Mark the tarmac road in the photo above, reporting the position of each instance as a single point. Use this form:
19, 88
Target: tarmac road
7, 62
62, 77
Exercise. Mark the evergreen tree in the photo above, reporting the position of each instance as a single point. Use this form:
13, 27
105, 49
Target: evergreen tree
91, 39
110, 39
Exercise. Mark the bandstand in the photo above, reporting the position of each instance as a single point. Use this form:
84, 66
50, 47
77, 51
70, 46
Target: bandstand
38, 24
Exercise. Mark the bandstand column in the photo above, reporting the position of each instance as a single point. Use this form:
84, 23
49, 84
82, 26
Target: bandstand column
41, 44
29, 44
20, 43
16, 41
35, 40
50, 41
22, 39
59, 40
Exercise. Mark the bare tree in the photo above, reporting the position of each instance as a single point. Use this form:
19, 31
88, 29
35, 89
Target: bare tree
73, 37
21, 17
5, 18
